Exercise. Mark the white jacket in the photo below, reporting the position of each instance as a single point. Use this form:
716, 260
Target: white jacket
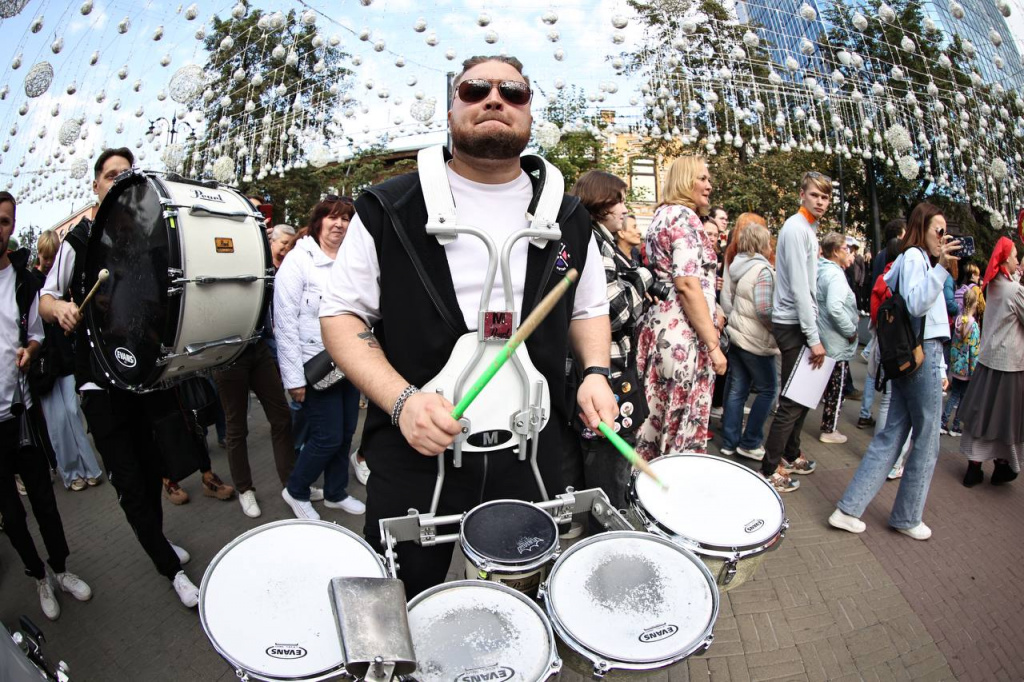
298, 288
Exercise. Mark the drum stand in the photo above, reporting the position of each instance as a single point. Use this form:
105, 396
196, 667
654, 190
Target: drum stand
423, 528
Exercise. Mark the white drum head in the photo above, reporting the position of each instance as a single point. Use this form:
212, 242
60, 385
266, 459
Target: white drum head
472, 630
632, 597
717, 503
264, 602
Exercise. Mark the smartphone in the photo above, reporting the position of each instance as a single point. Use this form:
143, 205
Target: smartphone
966, 247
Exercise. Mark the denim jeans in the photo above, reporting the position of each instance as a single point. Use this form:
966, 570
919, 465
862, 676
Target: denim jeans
331, 417
747, 371
950, 415
916, 402
868, 400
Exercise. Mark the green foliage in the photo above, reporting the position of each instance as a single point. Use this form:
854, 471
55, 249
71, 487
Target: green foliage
579, 149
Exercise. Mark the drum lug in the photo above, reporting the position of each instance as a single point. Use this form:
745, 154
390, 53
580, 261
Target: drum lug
175, 291
728, 572
241, 675
601, 669
174, 273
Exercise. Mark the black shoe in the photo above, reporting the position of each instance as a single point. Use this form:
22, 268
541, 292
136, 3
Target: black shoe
1003, 473
865, 422
974, 475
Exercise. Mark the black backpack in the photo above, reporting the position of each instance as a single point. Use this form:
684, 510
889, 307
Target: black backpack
900, 350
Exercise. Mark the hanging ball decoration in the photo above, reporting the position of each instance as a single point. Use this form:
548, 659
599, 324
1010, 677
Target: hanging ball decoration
161, 96
223, 169
998, 170
278, 52
559, 84
72, 88
751, 40
994, 37
808, 12
23, 109
201, 34
449, 54
1004, 7
860, 22
238, 11
192, 11
551, 18
124, 25
69, 132
292, 59
158, 33
956, 9
898, 138
547, 134
420, 26
908, 45
554, 36
11, 8
364, 34
165, 60
357, 60
187, 83
806, 47
16, 62
944, 61
79, 168
483, 19
619, 21
227, 43
886, 13
122, 73
998, 61
277, 21
38, 79
308, 17
559, 54
618, 37
422, 110
491, 37
37, 24
57, 45
137, 85
379, 46
689, 26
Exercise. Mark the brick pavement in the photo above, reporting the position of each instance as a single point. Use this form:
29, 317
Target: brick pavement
826, 605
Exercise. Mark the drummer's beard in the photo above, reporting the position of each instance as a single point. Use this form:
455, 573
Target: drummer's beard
506, 143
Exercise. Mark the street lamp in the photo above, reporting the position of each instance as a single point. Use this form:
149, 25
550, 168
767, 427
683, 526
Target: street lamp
172, 132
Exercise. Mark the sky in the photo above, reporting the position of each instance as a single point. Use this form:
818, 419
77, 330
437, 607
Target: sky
584, 35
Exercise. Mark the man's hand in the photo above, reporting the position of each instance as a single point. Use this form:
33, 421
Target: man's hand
427, 424
298, 394
23, 358
67, 315
718, 361
720, 320
596, 401
817, 355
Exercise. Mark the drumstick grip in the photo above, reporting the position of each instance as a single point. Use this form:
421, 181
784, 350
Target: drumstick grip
100, 279
629, 453
524, 331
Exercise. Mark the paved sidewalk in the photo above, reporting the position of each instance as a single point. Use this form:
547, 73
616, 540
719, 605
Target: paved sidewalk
827, 605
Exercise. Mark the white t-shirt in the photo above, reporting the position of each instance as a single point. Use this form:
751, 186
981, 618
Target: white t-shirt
57, 282
354, 284
10, 342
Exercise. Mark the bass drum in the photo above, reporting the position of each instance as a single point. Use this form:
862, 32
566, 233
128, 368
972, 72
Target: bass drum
190, 277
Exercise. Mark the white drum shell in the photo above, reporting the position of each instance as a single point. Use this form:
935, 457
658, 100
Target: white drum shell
264, 601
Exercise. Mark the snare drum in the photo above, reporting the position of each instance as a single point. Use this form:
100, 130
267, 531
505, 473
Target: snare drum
264, 600
510, 542
630, 601
720, 510
190, 274
476, 631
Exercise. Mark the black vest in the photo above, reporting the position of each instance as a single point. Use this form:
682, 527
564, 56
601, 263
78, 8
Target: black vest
420, 316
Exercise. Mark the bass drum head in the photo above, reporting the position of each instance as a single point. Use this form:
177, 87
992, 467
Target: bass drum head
469, 630
264, 602
129, 317
717, 503
509, 532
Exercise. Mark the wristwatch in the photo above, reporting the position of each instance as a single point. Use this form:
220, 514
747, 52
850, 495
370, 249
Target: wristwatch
606, 372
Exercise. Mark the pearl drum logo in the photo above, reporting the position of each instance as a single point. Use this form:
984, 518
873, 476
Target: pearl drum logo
200, 194
753, 525
125, 357
658, 633
490, 674
286, 651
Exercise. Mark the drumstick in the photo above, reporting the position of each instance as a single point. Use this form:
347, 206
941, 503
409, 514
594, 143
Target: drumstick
629, 453
100, 279
524, 331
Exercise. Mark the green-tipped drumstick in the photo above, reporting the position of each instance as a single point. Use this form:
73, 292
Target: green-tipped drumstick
524, 331
629, 453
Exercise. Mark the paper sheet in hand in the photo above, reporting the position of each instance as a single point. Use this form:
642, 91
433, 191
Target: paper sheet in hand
806, 384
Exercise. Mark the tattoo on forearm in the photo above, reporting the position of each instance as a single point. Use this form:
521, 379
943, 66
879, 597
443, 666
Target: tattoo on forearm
371, 340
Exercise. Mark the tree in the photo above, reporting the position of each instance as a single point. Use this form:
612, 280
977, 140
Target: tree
581, 146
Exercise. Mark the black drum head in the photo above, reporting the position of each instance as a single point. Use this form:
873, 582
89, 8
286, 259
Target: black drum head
510, 532
129, 316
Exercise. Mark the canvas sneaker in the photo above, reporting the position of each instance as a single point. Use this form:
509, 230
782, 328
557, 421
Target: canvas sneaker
301, 508
757, 454
918, 532
183, 556
47, 599
349, 504
360, 467
844, 521
188, 593
249, 506
73, 585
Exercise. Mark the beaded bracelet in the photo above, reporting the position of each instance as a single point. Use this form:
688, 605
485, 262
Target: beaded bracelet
396, 411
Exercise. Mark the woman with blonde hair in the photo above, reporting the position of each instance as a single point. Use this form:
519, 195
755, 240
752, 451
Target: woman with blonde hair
678, 351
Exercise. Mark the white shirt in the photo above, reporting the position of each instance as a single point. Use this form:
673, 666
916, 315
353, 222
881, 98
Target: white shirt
354, 285
10, 341
57, 282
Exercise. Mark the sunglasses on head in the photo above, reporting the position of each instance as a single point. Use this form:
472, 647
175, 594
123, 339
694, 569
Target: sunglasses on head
335, 197
477, 89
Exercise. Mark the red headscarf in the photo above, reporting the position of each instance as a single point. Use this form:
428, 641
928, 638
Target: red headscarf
995, 264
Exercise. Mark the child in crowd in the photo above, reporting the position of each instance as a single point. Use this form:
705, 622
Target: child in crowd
963, 359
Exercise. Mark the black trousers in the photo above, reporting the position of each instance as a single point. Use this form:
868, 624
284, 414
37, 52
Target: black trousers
784, 437
403, 479
121, 426
30, 463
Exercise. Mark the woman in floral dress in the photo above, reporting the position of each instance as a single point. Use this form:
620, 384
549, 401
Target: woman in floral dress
678, 351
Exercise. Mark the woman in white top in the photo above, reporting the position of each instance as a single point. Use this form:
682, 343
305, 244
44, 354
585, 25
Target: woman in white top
919, 274
330, 413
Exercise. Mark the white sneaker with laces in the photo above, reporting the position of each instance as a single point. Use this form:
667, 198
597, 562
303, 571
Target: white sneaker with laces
188, 593
183, 556
301, 509
360, 467
834, 437
846, 522
73, 585
717, 412
315, 494
918, 532
349, 504
249, 506
757, 454
47, 599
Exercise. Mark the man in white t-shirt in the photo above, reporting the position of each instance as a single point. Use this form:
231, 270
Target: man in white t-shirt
398, 300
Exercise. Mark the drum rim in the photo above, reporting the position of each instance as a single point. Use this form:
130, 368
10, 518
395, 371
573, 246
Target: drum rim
554, 663
602, 663
730, 552
491, 565
325, 674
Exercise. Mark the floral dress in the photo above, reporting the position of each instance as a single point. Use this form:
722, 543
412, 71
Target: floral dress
673, 363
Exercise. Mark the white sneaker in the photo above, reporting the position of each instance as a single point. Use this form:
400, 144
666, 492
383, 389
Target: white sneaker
302, 510
846, 522
918, 532
728, 452
47, 599
943, 431
73, 585
315, 494
746, 409
183, 556
249, 506
361, 469
349, 504
834, 437
717, 412
187, 592
757, 454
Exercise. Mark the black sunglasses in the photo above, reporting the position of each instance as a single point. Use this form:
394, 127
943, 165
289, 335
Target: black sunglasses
335, 197
476, 90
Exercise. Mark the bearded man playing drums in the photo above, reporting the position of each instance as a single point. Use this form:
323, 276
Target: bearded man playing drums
419, 267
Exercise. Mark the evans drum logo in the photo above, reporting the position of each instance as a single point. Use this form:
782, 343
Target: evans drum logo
206, 196
124, 356
753, 525
492, 674
286, 651
488, 439
658, 633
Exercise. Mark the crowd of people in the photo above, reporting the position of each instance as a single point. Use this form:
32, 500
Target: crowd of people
661, 332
